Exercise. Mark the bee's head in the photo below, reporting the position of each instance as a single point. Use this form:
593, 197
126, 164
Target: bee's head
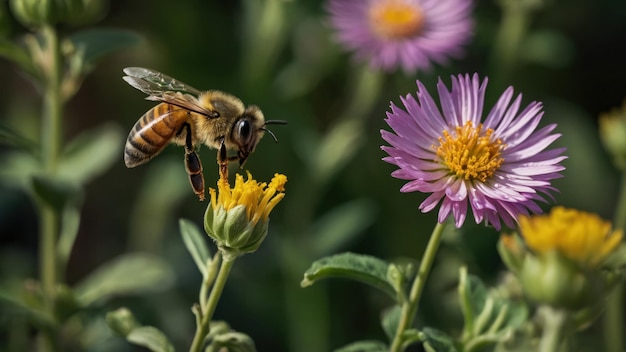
248, 130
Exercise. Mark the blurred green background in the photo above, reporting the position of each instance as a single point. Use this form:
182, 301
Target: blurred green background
280, 55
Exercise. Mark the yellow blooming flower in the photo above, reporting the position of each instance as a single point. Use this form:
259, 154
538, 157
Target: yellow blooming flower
237, 217
580, 236
562, 259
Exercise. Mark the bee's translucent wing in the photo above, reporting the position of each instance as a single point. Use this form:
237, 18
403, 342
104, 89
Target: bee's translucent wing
163, 88
153, 82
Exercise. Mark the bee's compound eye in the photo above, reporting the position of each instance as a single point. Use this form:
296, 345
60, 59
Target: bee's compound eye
243, 131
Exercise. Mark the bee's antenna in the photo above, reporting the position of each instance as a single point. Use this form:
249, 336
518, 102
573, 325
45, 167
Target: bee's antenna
275, 122
271, 133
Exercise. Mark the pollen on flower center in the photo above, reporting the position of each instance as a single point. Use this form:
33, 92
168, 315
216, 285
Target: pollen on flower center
258, 198
396, 19
470, 152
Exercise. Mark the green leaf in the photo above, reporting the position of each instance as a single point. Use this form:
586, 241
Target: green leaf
390, 320
341, 224
132, 273
399, 274
365, 346
25, 298
363, 268
121, 321
231, 341
17, 55
437, 341
18, 169
56, 192
70, 223
150, 338
10, 137
195, 241
488, 314
102, 41
92, 153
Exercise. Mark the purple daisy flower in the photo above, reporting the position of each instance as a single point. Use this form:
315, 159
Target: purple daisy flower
498, 165
406, 33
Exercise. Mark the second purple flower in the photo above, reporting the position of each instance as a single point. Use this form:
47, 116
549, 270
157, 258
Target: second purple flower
498, 165
407, 34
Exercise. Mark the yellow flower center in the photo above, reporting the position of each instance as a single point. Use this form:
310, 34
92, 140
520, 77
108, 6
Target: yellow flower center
470, 152
580, 236
396, 19
258, 198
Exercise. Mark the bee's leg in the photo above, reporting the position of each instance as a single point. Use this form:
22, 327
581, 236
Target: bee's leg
188, 140
222, 160
194, 170
193, 165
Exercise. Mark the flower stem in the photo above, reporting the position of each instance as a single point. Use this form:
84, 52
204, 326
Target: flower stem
207, 313
50, 151
613, 319
208, 279
409, 308
554, 329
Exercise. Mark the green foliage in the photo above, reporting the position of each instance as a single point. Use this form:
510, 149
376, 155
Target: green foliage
231, 341
91, 154
364, 346
195, 242
364, 268
99, 42
47, 12
282, 56
55, 192
18, 55
86, 157
390, 320
123, 322
436, 341
150, 338
70, 222
132, 273
489, 317
13, 139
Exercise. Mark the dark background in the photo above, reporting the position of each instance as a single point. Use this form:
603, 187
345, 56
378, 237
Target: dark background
569, 61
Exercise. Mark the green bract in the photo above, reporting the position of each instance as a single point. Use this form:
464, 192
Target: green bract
232, 231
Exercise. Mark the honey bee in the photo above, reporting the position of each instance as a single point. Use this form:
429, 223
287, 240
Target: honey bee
189, 117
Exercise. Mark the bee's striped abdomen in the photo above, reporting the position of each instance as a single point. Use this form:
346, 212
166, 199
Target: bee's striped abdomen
154, 130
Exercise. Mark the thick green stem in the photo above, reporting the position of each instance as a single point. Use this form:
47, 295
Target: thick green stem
554, 329
53, 101
613, 317
409, 309
50, 152
203, 329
